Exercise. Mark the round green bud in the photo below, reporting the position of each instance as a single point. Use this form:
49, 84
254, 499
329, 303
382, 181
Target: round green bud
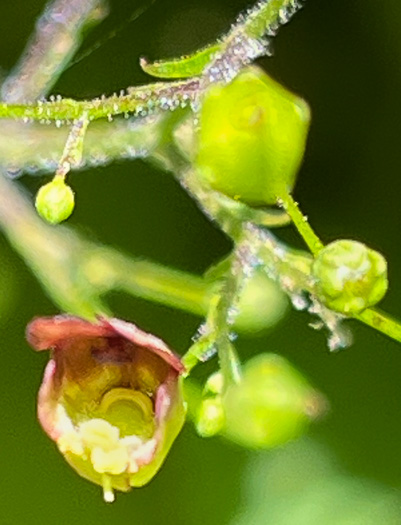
271, 405
55, 201
210, 420
262, 304
210, 414
251, 138
350, 276
214, 385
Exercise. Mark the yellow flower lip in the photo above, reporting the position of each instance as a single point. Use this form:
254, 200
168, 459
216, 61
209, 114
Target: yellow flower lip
111, 398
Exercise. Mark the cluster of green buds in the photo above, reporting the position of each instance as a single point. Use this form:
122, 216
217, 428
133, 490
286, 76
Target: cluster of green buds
110, 398
350, 277
251, 138
271, 404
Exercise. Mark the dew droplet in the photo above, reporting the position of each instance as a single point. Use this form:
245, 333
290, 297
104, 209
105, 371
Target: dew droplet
299, 301
339, 339
13, 172
210, 352
233, 336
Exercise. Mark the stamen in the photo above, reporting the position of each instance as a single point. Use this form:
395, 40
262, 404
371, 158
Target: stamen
108, 493
110, 461
99, 433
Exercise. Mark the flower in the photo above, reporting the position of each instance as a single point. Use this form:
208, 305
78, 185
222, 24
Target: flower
111, 398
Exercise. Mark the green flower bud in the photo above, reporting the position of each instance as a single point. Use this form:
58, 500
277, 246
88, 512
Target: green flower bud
262, 304
214, 384
271, 405
252, 138
210, 419
55, 201
350, 276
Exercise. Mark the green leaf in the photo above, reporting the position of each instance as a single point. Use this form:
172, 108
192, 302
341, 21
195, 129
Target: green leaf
183, 67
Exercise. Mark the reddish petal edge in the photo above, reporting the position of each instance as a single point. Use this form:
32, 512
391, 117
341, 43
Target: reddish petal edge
44, 333
47, 403
139, 337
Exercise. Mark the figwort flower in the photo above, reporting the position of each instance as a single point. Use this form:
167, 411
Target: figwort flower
110, 398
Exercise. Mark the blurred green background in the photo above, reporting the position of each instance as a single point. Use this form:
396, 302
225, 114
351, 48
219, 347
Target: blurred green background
344, 57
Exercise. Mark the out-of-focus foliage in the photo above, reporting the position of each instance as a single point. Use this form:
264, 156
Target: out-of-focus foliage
303, 485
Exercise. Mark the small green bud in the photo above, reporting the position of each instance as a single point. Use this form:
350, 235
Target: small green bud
262, 304
350, 276
55, 201
271, 405
210, 420
214, 384
251, 138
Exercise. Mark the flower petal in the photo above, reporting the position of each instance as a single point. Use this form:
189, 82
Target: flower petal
49, 332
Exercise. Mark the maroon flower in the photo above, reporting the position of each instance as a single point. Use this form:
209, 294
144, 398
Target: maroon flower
110, 398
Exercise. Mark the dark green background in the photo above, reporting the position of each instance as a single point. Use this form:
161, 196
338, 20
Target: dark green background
344, 57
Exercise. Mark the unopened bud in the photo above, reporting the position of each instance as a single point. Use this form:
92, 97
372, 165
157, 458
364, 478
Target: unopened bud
272, 404
210, 419
55, 201
251, 138
350, 277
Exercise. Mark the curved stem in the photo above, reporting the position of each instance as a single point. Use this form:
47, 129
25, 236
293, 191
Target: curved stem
301, 223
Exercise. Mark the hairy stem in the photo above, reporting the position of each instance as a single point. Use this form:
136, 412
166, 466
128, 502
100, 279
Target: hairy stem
104, 143
139, 101
242, 44
301, 223
57, 38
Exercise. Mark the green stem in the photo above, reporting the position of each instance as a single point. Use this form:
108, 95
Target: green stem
196, 353
301, 223
218, 320
51, 47
104, 143
222, 309
264, 18
106, 270
139, 101
381, 322
268, 15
